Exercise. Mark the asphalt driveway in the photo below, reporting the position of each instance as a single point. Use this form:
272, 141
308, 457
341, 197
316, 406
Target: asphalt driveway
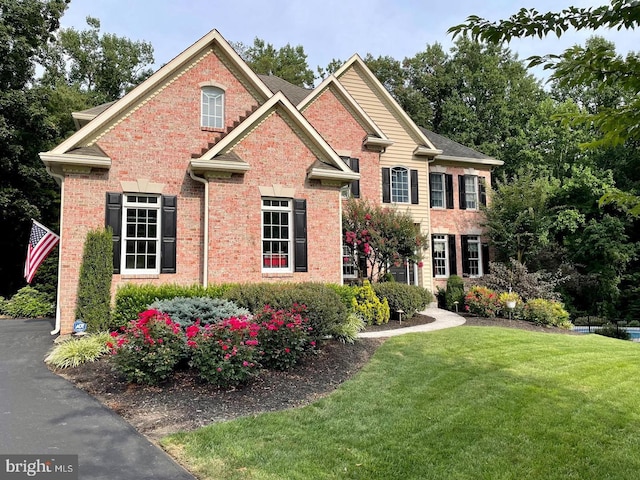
41, 413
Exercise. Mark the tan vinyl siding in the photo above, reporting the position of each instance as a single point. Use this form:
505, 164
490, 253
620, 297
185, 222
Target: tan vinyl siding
400, 153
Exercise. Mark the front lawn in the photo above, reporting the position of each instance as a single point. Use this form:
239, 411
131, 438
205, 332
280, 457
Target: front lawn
463, 403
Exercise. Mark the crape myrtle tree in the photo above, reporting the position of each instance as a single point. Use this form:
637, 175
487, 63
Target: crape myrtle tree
383, 237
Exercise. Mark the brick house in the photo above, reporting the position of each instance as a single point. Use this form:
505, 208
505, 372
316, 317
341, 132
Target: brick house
209, 173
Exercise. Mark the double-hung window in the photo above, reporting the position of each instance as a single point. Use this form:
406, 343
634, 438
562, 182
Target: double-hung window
472, 256
472, 192
277, 235
399, 185
212, 107
141, 234
436, 184
440, 256
349, 263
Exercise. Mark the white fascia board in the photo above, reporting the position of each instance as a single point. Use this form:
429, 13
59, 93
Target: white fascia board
480, 161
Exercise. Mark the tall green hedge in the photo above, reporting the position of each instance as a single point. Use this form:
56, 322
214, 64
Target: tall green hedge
94, 287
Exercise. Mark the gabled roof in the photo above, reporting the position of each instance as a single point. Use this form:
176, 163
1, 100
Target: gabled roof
130, 100
426, 148
456, 152
375, 137
328, 166
294, 93
81, 118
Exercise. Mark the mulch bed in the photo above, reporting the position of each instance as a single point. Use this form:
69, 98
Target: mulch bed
185, 403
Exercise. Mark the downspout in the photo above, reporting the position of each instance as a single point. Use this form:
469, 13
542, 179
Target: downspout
205, 255
60, 179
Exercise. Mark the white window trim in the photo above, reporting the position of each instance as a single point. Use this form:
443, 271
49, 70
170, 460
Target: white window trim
391, 183
353, 257
271, 208
444, 191
444, 239
476, 193
477, 241
207, 91
123, 254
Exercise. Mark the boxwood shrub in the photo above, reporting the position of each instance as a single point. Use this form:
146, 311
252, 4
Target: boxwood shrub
408, 298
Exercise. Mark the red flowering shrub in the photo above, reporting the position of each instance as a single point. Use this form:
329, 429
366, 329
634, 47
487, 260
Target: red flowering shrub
224, 353
482, 301
147, 349
283, 336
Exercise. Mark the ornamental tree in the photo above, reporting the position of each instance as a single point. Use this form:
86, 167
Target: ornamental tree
383, 237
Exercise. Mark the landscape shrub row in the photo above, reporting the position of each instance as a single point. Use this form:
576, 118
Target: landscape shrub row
484, 302
227, 353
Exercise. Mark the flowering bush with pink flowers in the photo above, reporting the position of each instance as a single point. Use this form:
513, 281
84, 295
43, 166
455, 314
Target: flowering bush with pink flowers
482, 301
283, 336
147, 350
224, 353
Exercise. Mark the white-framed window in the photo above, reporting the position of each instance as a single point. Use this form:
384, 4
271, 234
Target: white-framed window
277, 235
440, 256
212, 107
349, 263
471, 192
400, 185
141, 234
436, 182
474, 260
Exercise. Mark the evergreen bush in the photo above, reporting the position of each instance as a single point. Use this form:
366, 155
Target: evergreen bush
94, 286
367, 304
454, 292
546, 312
29, 303
187, 310
400, 296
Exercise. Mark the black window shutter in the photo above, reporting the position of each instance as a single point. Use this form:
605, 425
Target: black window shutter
448, 180
113, 219
414, 187
433, 257
483, 190
465, 254
386, 185
300, 234
169, 229
461, 193
485, 259
354, 164
453, 259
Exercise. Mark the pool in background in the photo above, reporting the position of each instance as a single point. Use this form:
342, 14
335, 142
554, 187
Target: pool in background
633, 331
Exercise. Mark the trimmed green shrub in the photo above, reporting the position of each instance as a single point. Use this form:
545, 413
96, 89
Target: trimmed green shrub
76, 351
132, 299
29, 303
325, 310
186, 310
482, 301
454, 292
367, 304
546, 312
94, 286
347, 331
148, 349
612, 331
400, 296
346, 293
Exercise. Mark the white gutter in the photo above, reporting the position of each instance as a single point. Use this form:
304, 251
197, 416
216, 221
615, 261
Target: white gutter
205, 253
60, 179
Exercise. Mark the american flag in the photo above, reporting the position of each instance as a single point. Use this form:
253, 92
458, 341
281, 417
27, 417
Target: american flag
41, 242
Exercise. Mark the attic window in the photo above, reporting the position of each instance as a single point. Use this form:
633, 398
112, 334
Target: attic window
212, 107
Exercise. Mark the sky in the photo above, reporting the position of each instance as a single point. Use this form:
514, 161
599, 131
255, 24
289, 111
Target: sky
326, 29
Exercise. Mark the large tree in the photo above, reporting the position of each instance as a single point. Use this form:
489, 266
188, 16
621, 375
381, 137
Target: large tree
26, 191
593, 64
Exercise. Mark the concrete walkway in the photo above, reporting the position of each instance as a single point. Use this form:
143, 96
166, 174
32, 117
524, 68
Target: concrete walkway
43, 414
444, 319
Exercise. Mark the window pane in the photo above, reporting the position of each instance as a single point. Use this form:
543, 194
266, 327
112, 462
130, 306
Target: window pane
399, 185
141, 233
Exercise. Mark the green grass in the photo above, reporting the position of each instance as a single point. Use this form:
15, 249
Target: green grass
464, 403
